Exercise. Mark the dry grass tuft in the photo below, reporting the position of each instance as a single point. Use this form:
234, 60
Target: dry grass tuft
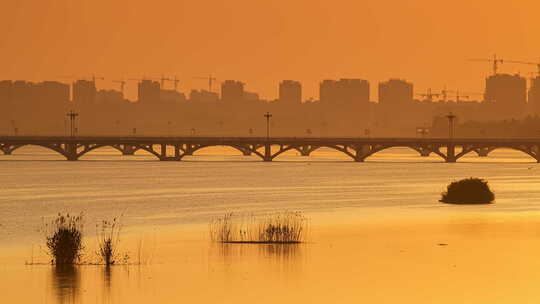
277, 228
64, 236
108, 241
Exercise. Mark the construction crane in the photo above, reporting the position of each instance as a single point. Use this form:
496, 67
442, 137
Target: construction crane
429, 95
175, 81
460, 95
138, 79
94, 78
444, 94
210, 81
162, 80
537, 64
122, 85
495, 61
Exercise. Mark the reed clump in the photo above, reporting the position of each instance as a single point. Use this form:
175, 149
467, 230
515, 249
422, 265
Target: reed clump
64, 239
277, 228
468, 191
108, 241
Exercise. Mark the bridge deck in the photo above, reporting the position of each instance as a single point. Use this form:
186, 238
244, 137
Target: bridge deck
269, 148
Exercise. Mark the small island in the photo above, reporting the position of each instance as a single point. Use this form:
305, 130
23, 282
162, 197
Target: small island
468, 191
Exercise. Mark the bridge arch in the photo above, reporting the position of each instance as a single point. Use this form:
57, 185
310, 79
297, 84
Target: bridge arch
54, 148
418, 149
493, 148
245, 150
313, 148
132, 149
95, 147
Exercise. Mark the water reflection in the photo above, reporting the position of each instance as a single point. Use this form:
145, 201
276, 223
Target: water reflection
66, 283
284, 255
280, 251
283, 252
107, 278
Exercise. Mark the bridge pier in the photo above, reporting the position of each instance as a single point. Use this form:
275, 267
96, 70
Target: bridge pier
71, 152
483, 152
304, 150
163, 156
267, 153
128, 150
451, 153
424, 152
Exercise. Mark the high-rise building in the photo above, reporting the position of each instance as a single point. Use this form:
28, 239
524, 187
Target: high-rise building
110, 97
395, 92
22, 91
507, 94
344, 91
203, 96
290, 92
84, 92
251, 96
172, 96
534, 95
232, 91
149, 91
53, 92
6, 92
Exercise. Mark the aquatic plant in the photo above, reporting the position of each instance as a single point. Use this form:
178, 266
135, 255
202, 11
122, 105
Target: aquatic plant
64, 239
468, 191
108, 241
282, 227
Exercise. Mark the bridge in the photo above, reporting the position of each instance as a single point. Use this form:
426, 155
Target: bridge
268, 149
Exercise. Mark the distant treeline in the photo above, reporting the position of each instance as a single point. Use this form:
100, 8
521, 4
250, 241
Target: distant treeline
528, 127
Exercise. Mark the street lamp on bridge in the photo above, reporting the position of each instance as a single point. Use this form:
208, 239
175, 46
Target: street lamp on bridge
451, 118
268, 116
72, 117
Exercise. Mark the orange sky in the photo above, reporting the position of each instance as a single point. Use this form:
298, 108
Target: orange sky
262, 42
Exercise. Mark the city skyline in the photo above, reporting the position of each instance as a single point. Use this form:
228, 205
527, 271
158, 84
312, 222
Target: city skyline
369, 40
170, 86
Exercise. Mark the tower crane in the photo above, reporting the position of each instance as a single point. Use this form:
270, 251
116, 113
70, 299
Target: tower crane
495, 61
429, 95
175, 82
210, 81
122, 85
466, 95
537, 64
162, 80
444, 94
94, 78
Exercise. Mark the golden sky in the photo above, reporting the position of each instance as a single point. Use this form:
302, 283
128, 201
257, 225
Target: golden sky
262, 42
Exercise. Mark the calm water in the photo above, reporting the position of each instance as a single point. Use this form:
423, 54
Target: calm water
178, 196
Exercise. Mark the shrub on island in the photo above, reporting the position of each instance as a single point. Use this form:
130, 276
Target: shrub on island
468, 191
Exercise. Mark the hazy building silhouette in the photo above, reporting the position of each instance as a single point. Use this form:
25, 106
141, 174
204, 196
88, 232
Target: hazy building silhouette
290, 92
172, 96
149, 91
534, 95
507, 94
203, 96
251, 96
110, 97
6, 92
395, 92
84, 92
344, 91
22, 92
53, 92
232, 91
